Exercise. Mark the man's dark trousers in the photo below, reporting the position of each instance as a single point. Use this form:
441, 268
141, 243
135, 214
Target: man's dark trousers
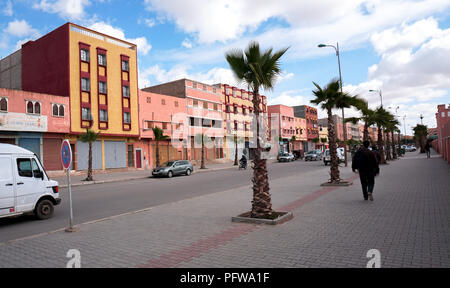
367, 182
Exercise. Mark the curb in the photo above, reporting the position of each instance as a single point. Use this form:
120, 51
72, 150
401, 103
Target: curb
139, 177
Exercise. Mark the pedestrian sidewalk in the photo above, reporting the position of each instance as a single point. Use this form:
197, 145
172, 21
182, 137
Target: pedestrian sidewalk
408, 223
118, 175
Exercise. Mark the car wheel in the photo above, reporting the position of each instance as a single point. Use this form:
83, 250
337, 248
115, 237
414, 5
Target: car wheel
44, 209
170, 174
188, 172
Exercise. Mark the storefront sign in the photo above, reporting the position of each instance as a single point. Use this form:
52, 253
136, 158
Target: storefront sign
22, 122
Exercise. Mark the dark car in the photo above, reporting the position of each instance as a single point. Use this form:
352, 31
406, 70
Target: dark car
172, 168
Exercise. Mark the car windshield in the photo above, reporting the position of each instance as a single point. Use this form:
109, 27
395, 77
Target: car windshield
167, 164
327, 153
311, 153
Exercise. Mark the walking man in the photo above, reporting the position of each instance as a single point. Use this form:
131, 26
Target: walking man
428, 149
366, 162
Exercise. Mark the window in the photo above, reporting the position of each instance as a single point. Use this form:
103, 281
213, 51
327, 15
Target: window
228, 109
443, 114
33, 107
194, 85
104, 115
205, 105
149, 100
84, 55
245, 127
130, 156
35, 167
85, 84
164, 126
58, 110
126, 91
24, 167
3, 104
206, 122
244, 111
125, 65
176, 103
214, 90
235, 109
126, 117
102, 59
102, 87
86, 114
216, 107
235, 126
204, 87
195, 103
234, 93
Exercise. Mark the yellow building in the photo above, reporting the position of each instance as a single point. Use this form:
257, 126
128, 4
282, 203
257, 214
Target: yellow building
99, 74
238, 117
323, 134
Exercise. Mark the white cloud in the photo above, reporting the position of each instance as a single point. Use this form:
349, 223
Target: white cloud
142, 44
150, 22
70, 9
8, 9
288, 98
186, 43
21, 28
155, 75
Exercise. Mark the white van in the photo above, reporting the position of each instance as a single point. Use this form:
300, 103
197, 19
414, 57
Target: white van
340, 154
24, 185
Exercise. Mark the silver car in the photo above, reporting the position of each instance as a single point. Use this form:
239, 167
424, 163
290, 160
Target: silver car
172, 168
286, 157
313, 155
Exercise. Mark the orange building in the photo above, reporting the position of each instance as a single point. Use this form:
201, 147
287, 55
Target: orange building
98, 74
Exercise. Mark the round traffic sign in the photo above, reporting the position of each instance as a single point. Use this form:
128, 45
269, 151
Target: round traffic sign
66, 154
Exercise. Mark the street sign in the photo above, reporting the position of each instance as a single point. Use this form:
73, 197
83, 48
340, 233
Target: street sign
66, 160
66, 154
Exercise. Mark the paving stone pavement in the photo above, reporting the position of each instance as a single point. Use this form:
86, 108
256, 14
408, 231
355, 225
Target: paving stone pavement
409, 223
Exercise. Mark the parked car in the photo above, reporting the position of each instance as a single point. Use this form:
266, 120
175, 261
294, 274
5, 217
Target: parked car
286, 157
313, 155
172, 168
24, 185
410, 148
327, 157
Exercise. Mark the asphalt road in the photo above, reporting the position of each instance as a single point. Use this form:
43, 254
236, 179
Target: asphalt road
93, 202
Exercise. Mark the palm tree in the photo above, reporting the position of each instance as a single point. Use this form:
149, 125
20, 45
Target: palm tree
420, 135
89, 137
382, 118
202, 139
329, 97
259, 70
367, 116
391, 128
159, 136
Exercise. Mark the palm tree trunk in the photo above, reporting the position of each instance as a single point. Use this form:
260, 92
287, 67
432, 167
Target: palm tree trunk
388, 146
262, 202
334, 166
366, 132
202, 165
380, 145
157, 154
399, 144
235, 151
89, 175
394, 152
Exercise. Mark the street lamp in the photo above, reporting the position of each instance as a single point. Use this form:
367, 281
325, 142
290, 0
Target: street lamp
421, 118
399, 149
381, 96
344, 126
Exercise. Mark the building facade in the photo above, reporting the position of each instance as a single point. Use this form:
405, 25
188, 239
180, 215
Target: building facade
163, 111
443, 131
312, 125
98, 74
238, 113
203, 116
37, 122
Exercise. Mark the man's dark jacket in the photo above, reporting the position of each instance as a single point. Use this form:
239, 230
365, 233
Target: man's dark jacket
365, 161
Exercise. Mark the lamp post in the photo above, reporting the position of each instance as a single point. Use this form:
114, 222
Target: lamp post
396, 116
381, 95
421, 119
404, 126
344, 126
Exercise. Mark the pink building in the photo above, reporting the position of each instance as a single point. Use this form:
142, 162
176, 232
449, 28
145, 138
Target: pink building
204, 115
286, 124
443, 131
163, 111
37, 122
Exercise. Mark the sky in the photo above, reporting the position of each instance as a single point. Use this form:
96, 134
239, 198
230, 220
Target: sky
398, 47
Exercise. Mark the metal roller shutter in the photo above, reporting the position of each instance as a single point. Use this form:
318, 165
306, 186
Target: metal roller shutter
115, 154
32, 144
52, 154
83, 155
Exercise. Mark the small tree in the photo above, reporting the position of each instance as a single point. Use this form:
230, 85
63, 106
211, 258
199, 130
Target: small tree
89, 137
202, 139
159, 136
420, 135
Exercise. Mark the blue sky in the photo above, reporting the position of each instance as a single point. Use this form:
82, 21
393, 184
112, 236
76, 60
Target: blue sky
399, 46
